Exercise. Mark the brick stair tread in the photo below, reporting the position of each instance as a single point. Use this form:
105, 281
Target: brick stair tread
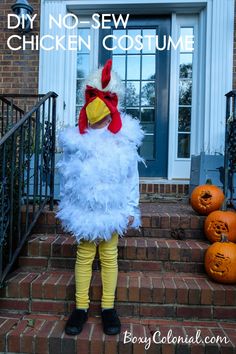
135, 253
41, 244
141, 287
180, 207
44, 334
158, 207
162, 219
172, 208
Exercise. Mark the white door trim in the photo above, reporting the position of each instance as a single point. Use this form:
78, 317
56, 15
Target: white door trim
180, 167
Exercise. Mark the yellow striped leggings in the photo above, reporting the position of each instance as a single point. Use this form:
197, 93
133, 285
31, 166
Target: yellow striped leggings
108, 253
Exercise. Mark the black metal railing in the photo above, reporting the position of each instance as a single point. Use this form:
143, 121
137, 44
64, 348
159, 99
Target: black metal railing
230, 151
9, 114
13, 107
27, 162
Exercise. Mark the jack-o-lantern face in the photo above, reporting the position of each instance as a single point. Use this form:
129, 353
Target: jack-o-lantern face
220, 262
206, 198
218, 223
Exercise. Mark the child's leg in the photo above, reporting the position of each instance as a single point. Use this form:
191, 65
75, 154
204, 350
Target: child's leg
108, 253
86, 252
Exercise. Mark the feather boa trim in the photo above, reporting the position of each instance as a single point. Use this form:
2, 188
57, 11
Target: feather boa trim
95, 171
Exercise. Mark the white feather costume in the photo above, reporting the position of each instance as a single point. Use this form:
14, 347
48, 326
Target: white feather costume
99, 180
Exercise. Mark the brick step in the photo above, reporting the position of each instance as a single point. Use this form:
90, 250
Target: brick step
159, 219
59, 251
142, 294
178, 189
44, 334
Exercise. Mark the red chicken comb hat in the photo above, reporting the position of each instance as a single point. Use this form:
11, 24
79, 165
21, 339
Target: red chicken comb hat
108, 98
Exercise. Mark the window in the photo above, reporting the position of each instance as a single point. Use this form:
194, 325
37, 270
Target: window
185, 96
137, 69
83, 68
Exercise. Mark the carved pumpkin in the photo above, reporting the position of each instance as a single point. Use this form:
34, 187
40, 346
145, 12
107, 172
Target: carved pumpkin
220, 261
218, 223
206, 198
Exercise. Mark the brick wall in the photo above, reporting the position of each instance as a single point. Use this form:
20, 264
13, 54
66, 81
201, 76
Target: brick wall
18, 69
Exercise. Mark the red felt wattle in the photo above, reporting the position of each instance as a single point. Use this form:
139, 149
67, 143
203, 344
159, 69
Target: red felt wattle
83, 121
106, 73
116, 122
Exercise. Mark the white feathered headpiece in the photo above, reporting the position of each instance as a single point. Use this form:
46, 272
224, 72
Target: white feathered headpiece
102, 86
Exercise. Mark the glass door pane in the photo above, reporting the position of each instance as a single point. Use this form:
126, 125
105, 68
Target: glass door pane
144, 71
137, 69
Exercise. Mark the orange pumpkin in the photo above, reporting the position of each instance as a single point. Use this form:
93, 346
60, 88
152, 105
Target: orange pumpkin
206, 198
220, 222
220, 261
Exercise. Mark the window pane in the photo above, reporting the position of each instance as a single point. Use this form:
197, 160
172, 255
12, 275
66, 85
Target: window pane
133, 112
118, 34
132, 93
185, 32
185, 92
82, 65
148, 93
183, 145
133, 34
148, 127
79, 93
78, 108
84, 33
147, 148
149, 42
118, 64
148, 67
147, 115
184, 119
133, 67
185, 69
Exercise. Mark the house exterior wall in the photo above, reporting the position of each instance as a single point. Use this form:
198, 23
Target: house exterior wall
18, 69
234, 62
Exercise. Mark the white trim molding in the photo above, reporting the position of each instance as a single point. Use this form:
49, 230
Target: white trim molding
180, 167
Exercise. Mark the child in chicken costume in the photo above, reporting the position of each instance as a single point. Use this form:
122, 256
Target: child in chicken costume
99, 191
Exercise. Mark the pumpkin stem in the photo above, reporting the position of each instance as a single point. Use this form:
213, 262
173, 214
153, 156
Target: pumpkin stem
209, 181
224, 238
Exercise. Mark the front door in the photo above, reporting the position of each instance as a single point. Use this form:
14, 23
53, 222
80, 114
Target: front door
145, 73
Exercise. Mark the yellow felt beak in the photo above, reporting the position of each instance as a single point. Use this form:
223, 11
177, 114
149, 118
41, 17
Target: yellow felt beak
96, 110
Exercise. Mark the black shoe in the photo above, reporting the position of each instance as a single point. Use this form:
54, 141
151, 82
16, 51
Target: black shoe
75, 322
110, 321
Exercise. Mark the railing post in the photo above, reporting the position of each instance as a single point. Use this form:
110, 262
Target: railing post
52, 170
230, 150
36, 157
226, 157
